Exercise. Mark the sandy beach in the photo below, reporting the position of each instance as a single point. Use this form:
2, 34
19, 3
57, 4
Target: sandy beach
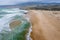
45, 24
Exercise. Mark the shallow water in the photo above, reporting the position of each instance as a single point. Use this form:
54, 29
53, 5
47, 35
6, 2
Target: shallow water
9, 15
6, 14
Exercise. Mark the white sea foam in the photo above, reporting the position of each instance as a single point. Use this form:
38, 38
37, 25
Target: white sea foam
4, 21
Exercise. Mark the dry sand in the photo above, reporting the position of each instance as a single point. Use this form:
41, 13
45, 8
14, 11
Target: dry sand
45, 24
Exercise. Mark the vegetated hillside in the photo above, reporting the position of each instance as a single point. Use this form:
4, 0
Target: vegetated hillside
40, 5
48, 7
34, 5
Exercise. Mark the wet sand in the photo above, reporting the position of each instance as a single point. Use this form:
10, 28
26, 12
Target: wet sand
14, 23
45, 24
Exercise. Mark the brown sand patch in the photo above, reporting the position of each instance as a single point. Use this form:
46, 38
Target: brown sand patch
14, 23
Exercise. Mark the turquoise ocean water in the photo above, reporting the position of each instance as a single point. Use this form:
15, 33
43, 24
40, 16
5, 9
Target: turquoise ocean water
8, 15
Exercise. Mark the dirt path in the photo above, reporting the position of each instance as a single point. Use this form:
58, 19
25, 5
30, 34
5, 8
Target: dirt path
44, 26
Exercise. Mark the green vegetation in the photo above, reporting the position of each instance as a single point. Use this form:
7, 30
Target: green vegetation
42, 7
